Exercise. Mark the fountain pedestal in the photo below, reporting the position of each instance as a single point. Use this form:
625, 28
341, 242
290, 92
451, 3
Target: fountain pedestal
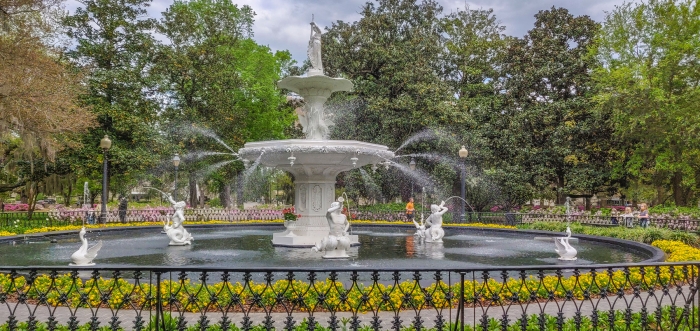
316, 165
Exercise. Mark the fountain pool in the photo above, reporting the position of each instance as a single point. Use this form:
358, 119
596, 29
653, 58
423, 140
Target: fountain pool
249, 246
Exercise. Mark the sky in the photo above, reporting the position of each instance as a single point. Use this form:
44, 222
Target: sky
284, 24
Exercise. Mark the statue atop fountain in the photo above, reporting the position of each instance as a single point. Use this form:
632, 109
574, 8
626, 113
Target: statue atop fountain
315, 161
337, 241
434, 221
176, 232
314, 51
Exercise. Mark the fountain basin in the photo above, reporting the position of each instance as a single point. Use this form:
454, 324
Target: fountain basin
392, 246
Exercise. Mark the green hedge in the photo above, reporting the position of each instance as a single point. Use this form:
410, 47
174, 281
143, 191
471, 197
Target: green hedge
644, 235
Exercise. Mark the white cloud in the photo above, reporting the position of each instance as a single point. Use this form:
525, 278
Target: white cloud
284, 24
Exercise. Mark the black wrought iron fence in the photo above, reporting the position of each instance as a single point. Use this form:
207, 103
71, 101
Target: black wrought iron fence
22, 218
601, 297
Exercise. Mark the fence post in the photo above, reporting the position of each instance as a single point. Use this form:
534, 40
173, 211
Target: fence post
159, 303
460, 310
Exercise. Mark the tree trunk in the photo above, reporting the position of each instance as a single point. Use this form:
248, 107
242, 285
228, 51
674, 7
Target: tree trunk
560, 190
202, 197
678, 193
67, 196
239, 191
225, 195
193, 191
31, 199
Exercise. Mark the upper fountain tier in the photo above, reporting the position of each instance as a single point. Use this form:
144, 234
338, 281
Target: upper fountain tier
316, 157
310, 158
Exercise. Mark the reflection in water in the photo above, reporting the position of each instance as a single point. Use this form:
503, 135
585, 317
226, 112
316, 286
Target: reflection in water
176, 255
251, 247
431, 250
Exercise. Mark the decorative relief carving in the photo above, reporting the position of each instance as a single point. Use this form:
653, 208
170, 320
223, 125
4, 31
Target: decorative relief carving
303, 191
316, 198
330, 194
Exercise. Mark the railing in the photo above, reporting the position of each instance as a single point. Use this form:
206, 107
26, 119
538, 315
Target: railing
8, 219
605, 297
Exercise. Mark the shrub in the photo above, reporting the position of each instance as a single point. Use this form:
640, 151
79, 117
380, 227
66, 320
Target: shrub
643, 235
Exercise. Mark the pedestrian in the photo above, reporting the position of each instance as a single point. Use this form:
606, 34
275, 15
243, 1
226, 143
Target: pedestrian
91, 216
123, 204
643, 215
628, 217
410, 210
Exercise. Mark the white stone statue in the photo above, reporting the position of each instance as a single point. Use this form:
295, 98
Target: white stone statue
566, 252
85, 255
434, 221
314, 50
337, 241
420, 229
176, 232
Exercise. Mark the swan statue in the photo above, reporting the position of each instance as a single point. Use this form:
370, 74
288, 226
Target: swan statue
337, 241
85, 255
565, 251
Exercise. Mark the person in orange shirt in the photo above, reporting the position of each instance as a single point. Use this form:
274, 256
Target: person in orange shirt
410, 211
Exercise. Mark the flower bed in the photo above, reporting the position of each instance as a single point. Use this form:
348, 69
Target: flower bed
678, 251
480, 225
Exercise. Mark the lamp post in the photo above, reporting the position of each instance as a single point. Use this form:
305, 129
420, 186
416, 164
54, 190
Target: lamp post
176, 163
105, 144
412, 166
463, 152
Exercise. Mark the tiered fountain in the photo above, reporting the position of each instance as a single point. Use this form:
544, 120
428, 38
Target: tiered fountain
315, 161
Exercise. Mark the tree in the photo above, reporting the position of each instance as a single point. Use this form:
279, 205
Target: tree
475, 47
392, 55
38, 90
648, 80
114, 48
219, 80
544, 120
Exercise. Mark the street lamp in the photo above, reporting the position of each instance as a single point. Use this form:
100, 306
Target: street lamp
463, 152
176, 163
105, 144
412, 166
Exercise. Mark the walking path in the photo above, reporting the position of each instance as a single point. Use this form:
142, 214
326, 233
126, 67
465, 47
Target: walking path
676, 296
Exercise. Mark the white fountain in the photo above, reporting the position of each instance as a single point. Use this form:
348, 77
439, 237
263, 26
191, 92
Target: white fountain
315, 161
